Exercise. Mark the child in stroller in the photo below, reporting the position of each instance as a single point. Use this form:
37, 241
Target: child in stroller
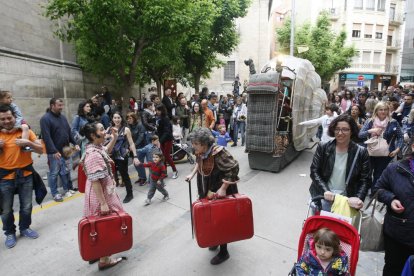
345, 262
323, 256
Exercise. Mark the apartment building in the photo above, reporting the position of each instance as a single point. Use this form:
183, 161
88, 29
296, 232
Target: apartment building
374, 27
407, 61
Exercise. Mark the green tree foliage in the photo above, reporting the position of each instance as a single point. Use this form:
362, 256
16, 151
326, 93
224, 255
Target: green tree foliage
112, 36
327, 50
202, 46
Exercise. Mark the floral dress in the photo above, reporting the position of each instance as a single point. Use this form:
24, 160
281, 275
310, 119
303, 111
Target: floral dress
97, 166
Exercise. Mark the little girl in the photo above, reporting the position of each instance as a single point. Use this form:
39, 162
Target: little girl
158, 172
177, 129
324, 256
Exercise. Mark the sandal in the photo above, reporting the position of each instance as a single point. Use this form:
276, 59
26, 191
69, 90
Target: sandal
112, 262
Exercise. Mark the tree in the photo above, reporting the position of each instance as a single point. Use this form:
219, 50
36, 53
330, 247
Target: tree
202, 46
326, 50
110, 36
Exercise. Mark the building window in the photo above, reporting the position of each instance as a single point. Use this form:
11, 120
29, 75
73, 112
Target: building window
392, 12
368, 30
370, 5
366, 57
358, 4
381, 5
229, 71
377, 57
389, 40
356, 30
378, 33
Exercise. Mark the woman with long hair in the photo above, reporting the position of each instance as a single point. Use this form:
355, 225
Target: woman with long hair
382, 125
165, 133
120, 153
83, 116
347, 101
197, 117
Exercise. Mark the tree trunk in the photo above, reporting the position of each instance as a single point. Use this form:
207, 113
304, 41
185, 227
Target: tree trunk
159, 87
197, 83
126, 93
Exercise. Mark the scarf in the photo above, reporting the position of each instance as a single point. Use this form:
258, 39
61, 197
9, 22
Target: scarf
380, 124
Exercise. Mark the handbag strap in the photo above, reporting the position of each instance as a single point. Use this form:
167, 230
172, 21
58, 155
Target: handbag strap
373, 201
352, 166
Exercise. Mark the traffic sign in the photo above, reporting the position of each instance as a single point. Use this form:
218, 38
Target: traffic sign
360, 83
361, 77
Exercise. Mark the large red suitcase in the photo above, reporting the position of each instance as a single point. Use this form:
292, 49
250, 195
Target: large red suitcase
101, 236
223, 220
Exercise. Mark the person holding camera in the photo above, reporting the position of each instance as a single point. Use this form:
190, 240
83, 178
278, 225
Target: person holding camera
239, 121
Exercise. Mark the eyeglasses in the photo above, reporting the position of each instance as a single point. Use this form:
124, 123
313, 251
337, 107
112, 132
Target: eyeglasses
343, 130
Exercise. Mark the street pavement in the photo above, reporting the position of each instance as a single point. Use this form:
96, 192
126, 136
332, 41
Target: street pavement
162, 233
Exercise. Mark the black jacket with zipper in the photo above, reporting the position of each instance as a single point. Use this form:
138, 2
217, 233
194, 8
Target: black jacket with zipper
322, 167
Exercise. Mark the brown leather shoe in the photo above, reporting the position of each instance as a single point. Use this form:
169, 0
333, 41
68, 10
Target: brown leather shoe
112, 262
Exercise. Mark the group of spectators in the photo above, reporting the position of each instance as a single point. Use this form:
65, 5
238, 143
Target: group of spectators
353, 117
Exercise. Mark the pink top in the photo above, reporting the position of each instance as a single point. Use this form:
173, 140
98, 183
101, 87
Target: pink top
97, 169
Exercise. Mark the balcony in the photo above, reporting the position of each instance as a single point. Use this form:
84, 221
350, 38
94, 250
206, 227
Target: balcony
395, 19
373, 68
393, 45
334, 14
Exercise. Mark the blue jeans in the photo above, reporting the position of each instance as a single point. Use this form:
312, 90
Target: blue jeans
140, 169
58, 168
24, 187
239, 126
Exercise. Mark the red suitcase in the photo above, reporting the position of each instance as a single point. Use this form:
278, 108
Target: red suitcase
101, 236
223, 220
81, 179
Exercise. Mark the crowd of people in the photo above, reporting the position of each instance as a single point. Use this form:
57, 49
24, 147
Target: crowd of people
346, 163
103, 141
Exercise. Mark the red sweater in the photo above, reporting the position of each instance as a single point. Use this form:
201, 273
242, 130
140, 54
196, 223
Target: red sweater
157, 171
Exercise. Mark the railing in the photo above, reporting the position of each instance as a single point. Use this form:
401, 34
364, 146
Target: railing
396, 19
388, 68
394, 44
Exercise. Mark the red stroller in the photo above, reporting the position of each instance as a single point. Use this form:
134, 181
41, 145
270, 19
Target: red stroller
347, 234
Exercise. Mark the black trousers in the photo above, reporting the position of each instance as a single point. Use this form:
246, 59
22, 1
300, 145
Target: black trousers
122, 168
396, 254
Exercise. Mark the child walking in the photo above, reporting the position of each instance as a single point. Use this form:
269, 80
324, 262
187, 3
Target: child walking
6, 98
158, 172
324, 256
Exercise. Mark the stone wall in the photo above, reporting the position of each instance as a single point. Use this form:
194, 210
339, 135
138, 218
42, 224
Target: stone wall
37, 66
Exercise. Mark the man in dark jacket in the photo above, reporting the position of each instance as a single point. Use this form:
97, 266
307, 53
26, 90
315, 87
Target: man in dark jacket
56, 134
168, 102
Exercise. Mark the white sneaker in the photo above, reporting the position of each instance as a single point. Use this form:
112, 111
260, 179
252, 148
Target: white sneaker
175, 175
147, 202
72, 192
68, 194
165, 198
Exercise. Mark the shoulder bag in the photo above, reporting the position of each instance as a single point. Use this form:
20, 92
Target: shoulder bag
377, 146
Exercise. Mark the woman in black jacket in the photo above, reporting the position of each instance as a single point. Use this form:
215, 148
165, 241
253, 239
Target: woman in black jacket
164, 130
396, 189
332, 163
148, 120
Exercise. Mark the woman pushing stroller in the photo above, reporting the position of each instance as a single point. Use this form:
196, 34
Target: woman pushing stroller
327, 170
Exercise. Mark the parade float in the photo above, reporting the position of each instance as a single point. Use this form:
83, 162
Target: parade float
287, 91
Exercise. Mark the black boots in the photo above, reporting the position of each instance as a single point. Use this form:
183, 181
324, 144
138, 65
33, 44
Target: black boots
128, 198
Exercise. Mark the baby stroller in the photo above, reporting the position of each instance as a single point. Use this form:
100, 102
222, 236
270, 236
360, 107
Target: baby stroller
181, 150
347, 234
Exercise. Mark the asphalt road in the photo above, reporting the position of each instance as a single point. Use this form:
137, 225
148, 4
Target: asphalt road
162, 232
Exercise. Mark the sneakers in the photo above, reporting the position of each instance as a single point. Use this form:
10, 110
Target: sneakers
175, 175
72, 192
10, 241
234, 145
29, 233
68, 194
58, 198
165, 198
147, 202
